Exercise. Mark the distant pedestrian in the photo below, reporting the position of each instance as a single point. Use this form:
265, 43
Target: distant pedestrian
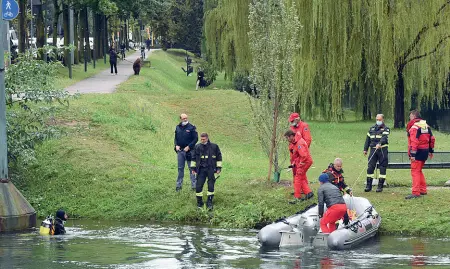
113, 60
420, 147
185, 139
207, 161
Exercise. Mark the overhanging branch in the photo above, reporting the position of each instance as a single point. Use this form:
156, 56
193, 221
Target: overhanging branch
422, 31
439, 44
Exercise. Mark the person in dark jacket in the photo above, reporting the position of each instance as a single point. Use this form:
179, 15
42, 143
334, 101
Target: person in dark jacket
60, 219
336, 176
200, 79
185, 139
207, 160
336, 208
113, 59
377, 140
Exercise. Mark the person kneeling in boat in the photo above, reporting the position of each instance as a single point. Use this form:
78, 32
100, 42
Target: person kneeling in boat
336, 207
336, 176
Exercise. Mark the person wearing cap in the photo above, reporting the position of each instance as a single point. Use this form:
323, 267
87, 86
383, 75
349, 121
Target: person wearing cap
301, 161
60, 219
336, 208
300, 128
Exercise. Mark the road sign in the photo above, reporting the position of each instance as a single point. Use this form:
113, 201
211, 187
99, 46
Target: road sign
10, 9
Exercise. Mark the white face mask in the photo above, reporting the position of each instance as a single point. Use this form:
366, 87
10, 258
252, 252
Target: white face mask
184, 123
379, 122
293, 123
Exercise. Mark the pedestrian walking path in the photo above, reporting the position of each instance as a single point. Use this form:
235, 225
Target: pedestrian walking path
105, 82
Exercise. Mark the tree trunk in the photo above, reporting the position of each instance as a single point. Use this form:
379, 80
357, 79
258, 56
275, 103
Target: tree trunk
273, 139
65, 11
56, 13
87, 46
40, 28
22, 25
76, 37
399, 113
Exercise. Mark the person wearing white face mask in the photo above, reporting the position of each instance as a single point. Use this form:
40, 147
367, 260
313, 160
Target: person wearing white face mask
185, 139
377, 140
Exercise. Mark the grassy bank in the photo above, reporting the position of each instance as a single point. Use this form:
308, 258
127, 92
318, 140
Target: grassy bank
117, 161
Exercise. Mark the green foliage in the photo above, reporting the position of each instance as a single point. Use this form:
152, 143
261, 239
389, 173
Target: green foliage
226, 33
210, 72
241, 82
30, 92
106, 169
273, 40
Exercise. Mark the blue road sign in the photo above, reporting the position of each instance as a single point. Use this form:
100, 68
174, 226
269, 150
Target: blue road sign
10, 9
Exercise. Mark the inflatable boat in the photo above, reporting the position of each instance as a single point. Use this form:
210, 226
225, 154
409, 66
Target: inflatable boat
303, 228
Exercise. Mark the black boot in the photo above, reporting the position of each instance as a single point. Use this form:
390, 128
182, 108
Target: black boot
369, 184
200, 202
209, 203
380, 184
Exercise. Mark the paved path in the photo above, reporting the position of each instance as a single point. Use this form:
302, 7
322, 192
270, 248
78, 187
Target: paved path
104, 82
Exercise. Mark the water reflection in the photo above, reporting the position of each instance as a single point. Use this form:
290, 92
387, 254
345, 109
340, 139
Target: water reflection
141, 245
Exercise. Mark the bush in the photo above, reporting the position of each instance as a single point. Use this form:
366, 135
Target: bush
241, 82
210, 72
30, 100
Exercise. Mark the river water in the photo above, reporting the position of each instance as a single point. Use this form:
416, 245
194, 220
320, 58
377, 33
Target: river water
92, 244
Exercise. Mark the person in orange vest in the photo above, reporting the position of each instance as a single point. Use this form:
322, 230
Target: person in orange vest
336, 176
301, 161
300, 127
420, 147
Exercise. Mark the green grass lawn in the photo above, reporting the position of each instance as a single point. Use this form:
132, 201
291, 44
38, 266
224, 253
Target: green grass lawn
117, 161
63, 81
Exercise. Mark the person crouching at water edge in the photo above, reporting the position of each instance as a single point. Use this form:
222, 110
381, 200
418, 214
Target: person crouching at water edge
301, 161
336, 176
336, 207
206, 160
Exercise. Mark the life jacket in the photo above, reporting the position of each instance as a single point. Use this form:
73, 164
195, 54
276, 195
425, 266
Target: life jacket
420, 139
338, 175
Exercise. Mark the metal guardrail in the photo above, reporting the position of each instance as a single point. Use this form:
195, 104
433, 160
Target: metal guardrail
400, 160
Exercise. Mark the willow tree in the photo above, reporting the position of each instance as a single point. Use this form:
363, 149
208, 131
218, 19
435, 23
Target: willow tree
226, 33
414, 50
273, 40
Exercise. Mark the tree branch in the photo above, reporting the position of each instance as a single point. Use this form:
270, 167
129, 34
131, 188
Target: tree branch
402, 60
430, 52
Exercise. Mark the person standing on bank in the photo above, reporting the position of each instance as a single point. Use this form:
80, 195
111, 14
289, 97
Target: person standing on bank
185, 139
420, 147
207, 160
300, 128
377, 140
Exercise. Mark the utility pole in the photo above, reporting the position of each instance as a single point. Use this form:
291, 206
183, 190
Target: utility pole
71, 43
15, 211
3, 141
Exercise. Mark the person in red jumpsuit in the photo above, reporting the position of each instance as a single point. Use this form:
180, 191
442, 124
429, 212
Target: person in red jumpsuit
420, 147
300, 127
301, 161
329, 195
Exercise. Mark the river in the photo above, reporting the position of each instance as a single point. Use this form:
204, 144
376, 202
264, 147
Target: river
100, 244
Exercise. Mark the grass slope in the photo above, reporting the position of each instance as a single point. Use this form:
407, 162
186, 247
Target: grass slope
118, 161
